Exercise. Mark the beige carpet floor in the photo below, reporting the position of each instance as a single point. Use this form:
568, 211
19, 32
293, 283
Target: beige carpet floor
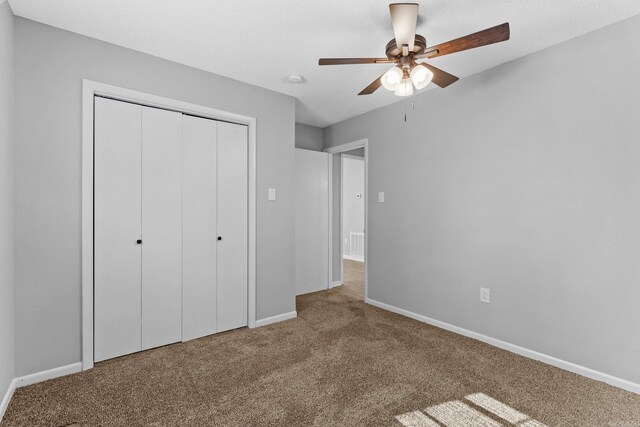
340, 363
353, 278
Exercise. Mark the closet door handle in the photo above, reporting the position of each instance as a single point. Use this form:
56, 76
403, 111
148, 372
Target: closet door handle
219, 238
139, 241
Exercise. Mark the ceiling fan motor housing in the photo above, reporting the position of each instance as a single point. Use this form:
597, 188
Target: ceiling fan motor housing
419, 46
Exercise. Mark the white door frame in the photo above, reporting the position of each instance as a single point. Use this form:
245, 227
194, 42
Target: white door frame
89, 90
361, 143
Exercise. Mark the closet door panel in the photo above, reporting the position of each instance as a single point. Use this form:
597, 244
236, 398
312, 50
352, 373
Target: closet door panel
117, 256
199, 217
161, 227
232, 226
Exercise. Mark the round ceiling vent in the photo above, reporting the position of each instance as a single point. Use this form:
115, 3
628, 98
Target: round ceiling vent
295, 79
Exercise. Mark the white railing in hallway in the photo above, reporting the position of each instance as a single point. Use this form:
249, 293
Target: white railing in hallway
356, 246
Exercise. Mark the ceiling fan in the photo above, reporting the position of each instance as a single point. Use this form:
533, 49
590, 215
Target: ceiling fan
408, 47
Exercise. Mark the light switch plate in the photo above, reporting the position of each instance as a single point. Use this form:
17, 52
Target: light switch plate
485, 295
272, 194
381, 197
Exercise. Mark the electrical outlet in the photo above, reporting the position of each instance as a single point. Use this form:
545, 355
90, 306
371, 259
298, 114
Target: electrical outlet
485, 295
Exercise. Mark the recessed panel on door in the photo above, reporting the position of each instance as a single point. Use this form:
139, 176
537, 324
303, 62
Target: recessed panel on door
161, 227
199, 237
232, 277
117, 255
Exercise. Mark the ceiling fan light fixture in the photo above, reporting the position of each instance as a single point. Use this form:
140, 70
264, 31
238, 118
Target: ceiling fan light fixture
421, 76
392, 78
405, 88
408, 47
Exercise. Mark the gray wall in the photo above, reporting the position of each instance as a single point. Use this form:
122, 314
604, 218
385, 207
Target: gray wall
524, 179
6, 198
308, 137
50, 64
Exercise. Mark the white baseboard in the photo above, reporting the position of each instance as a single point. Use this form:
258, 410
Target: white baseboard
335, 284
7, 398
276, 319
531, 354
37, 378
353, 258
48, 374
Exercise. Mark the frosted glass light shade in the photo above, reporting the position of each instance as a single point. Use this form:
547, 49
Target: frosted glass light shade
405, 88
392, 78
421, 76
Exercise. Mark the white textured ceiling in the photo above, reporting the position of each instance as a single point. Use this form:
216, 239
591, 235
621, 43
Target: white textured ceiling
262, 42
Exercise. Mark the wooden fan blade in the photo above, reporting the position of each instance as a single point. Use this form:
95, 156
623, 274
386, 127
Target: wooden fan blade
348, 61
496, 34
404, 18
372, 87
441, 77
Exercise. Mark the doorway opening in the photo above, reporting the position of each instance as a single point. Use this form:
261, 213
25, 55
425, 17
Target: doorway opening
352, 220
348, 218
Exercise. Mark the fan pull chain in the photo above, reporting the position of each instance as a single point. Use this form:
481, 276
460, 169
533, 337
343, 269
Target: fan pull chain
413, 106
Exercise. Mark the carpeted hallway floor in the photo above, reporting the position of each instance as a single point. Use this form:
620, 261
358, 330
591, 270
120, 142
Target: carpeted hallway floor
340, 363
353, 278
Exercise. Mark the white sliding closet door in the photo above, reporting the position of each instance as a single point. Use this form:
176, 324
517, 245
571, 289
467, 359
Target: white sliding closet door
161, 227
232, 226
199, 236
117, 256
312, 221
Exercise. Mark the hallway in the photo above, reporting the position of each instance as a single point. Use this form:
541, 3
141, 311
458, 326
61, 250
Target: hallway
353, 277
